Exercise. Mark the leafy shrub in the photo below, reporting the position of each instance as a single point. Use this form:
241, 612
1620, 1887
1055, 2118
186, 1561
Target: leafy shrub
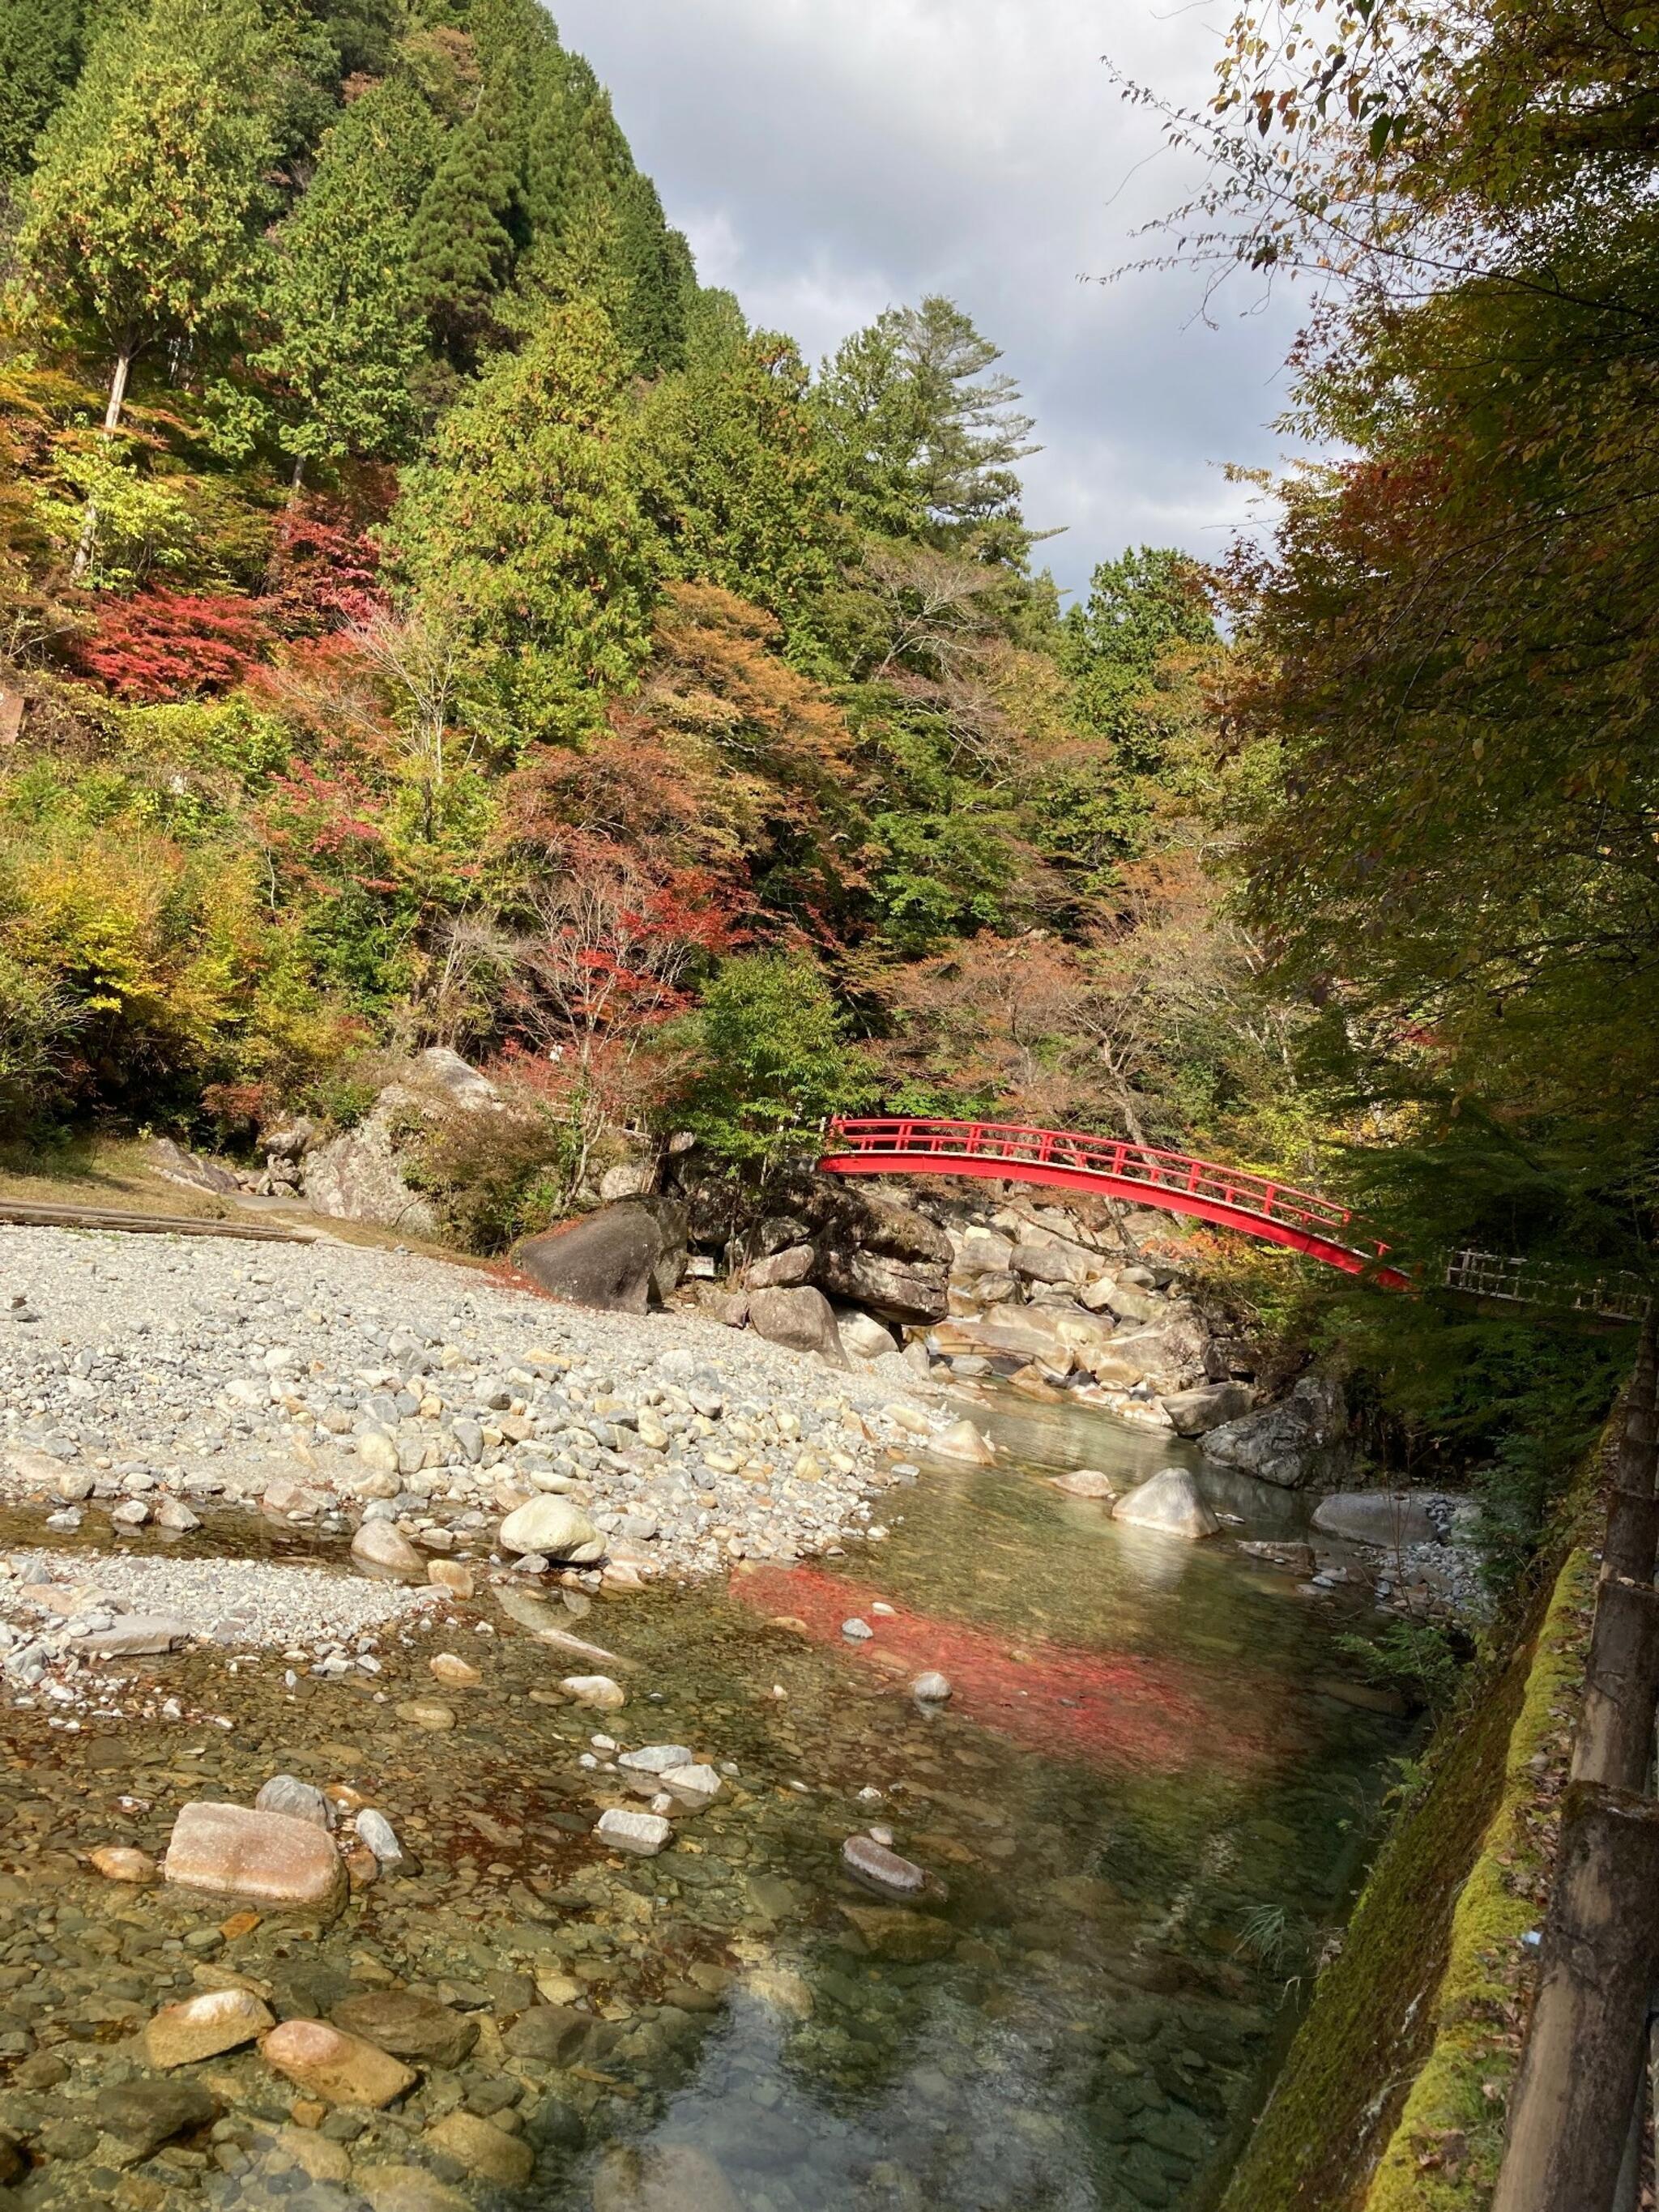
770, 1060
173, 645
1420, 1658
138, 526
492, 1177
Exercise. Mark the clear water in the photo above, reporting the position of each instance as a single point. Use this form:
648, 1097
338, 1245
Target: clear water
1142, 1807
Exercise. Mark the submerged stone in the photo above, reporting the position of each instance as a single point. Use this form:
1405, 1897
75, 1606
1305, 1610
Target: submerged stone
270, 1857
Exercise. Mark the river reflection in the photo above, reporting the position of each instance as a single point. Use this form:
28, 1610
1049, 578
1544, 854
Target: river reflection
1142, 1806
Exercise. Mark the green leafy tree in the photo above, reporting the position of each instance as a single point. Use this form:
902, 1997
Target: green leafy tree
141, 218
525, 530
342, 294
140, 223
772, 1059
736, 481
929, 440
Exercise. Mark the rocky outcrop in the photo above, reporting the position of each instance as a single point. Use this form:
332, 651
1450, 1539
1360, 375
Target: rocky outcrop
612, 1260
359, 1176
884, 1256
1301, 1444
1195, 1413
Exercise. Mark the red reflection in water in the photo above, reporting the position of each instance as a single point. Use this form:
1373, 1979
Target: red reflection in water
1104, 1708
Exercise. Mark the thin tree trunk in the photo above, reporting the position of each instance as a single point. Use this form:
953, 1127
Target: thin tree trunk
117, 392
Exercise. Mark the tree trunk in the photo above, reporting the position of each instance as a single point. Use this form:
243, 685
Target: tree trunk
1569, 2115
118, 390
118, 393
1622, 1689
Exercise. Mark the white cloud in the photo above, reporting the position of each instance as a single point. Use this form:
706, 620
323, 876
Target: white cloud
828, 157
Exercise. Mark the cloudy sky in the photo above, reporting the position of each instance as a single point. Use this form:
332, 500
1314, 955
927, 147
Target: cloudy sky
827, 158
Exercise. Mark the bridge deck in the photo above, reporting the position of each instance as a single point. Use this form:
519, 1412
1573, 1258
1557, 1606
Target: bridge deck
1140, 1175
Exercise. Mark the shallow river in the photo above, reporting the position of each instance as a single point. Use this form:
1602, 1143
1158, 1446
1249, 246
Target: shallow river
1145, 1805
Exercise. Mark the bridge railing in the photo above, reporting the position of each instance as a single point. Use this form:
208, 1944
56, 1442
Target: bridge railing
1106, 1155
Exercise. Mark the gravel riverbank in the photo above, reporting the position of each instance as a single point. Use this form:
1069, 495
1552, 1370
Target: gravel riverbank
152, 1378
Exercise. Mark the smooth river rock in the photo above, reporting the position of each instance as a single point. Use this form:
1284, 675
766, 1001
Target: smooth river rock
408, 2025
874, 1866
385, 1550
963, 1440
1170, 1503
269, 1858
661, 2177
1392, 1519
555, 1528
341, 2069
301, 1801
204, 2026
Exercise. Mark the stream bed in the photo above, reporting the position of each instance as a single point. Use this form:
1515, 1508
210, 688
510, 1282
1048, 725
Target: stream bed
1144, 1806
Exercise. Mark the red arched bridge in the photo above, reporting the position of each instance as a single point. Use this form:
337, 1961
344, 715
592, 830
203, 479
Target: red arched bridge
1230, 1198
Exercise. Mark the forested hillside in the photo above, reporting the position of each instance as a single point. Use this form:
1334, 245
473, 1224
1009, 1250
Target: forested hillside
442, 620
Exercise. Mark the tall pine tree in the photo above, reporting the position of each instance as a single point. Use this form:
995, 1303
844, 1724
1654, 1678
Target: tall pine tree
342, 298
461, 249
523, 531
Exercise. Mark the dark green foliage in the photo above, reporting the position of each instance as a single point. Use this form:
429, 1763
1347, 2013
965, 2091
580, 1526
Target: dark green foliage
770, 1056
461, 251
655, 265
42, 45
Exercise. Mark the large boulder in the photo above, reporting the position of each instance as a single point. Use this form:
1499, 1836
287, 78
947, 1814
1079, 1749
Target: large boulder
1195, 1413
1299, 1444
1171, 1503
803, 1320
981, 1252
1394, 1520
612, 1260
188, 1170
1170, 1354
876, 1252
864, 1336
1049, 1263
782, 1271
554, 1528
